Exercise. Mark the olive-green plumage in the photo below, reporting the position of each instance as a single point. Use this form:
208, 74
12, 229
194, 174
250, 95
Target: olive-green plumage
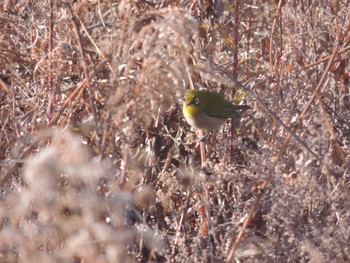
208, 110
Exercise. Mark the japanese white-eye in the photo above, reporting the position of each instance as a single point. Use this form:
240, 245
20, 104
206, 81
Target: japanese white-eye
208, 110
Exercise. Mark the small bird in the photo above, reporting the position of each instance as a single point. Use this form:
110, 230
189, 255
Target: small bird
208, 110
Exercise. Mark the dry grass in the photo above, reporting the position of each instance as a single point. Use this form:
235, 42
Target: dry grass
98, 164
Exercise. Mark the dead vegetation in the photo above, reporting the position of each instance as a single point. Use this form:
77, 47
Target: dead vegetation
98, 164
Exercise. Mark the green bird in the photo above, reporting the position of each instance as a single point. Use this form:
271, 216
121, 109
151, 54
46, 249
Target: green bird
209, 110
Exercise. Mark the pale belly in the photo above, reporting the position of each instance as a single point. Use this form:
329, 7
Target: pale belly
205, 122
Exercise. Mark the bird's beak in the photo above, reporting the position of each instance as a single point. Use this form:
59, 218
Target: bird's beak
189, 103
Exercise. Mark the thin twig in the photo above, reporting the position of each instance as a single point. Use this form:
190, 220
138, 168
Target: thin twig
325, 58
291, 133
199, 132
278, 12
100, 13
51, 87
234, 71
340, 153
85, 69
209, 224
126, 154
106, 126
76, 93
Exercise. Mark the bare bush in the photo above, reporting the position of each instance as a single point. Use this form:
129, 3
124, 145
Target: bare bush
98, 164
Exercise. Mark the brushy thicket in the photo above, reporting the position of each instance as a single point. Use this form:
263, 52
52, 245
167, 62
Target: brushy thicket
98, 164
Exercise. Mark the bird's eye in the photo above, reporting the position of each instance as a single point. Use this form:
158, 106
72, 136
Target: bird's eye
196, 101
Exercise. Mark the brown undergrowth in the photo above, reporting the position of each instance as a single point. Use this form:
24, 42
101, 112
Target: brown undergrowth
98, 164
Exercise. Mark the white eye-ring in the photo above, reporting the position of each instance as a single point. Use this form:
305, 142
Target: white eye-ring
196, 101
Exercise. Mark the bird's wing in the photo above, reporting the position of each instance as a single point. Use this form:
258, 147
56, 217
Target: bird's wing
227, 110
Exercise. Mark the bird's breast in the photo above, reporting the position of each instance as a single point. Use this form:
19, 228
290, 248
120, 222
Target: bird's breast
203, 121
